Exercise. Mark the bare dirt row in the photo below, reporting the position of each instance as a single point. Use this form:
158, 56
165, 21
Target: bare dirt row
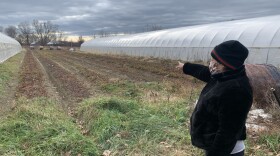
109, 67
69, 87
106, 67
77, 76
31, 81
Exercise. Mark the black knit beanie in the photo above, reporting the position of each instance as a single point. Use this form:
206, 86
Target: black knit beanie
231, 54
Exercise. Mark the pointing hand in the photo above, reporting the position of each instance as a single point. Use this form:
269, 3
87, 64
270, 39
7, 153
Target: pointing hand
180, 65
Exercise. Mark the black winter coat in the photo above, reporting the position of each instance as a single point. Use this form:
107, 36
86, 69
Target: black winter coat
219, 117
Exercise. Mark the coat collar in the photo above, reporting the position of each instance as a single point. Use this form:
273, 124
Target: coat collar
231, 74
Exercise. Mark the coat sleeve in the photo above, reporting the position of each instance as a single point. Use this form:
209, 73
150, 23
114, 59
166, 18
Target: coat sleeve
233, 110
198, 71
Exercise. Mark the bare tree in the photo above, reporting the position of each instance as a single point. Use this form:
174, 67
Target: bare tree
153, 27
60, 36
25, 31
33, 37
38, 30
156, 27
81, 40
20, 38
11, 31
45, 31
65, 38
103, 33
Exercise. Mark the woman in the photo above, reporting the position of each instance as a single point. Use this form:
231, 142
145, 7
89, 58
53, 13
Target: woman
218, 120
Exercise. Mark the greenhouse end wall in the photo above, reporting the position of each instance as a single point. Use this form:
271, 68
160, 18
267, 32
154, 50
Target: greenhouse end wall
8, 47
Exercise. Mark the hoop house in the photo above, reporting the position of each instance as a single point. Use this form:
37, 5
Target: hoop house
194, 43
8, 47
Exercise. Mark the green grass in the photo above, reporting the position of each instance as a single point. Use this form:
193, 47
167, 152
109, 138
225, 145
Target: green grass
156, 86
130, 127
265, 144
271, 141
8, 70
142, 91
38, 127
125, 89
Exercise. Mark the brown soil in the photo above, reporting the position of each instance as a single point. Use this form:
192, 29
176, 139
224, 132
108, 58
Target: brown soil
105, 67
31, 83
76, 76
69, 87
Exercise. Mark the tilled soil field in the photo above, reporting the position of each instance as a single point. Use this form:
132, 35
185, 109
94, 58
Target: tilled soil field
76, 76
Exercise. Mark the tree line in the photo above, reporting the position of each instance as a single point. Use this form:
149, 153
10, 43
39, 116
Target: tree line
147, 28
40, 32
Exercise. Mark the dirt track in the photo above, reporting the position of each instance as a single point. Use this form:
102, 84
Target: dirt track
75, 76
31, 83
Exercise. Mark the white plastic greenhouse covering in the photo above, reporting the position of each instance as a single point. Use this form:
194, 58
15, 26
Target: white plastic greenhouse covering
194, 43
8, 47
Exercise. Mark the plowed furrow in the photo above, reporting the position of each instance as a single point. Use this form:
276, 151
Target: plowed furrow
31, 83
110, 66
69, 87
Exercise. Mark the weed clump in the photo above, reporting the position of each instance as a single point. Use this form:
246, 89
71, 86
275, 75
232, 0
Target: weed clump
125, 89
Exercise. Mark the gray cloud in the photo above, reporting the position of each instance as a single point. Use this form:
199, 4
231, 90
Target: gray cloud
86, 17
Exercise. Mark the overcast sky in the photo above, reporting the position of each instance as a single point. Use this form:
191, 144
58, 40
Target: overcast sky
86, 17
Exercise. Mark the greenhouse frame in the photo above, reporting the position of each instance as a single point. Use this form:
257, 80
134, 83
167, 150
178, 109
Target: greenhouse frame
194, 43
8, 47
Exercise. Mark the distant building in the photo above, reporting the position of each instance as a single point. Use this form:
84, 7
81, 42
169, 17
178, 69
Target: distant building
34, 44
54, 43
